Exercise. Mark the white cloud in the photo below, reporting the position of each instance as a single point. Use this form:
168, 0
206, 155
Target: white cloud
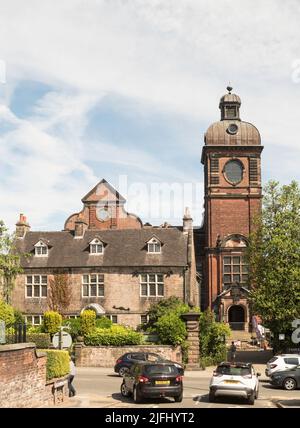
178, 55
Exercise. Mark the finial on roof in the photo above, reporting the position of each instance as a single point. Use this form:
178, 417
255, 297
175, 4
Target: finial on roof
229, 88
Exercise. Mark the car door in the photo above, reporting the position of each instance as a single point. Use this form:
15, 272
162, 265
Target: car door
129, 378
291, 362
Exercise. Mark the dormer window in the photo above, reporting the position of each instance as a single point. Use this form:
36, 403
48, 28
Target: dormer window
154, 246
96, 246
41, 249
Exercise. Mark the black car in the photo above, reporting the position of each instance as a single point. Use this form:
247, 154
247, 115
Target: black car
126, 361
152, 380
287, 379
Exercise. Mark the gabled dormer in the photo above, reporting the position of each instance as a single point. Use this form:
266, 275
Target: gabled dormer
41, 249
154, 245
96, 247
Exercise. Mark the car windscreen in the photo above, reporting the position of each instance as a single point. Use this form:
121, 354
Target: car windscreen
160, 369
234, 371
272, 360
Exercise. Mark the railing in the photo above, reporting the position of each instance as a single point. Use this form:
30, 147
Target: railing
237, 326
15, 333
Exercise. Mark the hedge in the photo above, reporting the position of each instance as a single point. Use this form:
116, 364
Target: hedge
6, 313
52, 322
114, 336
58, 363
87, 321
42, 340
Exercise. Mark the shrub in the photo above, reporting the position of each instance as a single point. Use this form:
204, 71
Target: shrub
74, 327
42, 340
171, 329
52, 322
32, 329
115, 336
212, 336
103, 322
18, 316
6, 313
88, 321
58, 363
164, 307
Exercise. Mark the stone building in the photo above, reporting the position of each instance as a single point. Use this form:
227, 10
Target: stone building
118, 265
115, 264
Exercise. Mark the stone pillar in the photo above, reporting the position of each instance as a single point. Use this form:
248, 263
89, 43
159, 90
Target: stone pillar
192, 324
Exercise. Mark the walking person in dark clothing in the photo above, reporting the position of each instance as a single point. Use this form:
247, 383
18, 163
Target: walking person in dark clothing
232, 350
72, 373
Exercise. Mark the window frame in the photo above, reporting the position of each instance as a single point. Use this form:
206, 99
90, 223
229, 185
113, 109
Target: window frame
32, 319
97, 284
42, 286
41, 249
233, 272
155, 244
96, 244
149, 283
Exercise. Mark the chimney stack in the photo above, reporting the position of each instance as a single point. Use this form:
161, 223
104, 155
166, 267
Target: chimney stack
80, 227
22, 227
187, 221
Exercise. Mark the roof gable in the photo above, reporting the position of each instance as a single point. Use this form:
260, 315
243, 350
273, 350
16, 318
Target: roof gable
105, 193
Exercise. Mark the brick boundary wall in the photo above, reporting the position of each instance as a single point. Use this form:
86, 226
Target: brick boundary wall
23, 378
106, 356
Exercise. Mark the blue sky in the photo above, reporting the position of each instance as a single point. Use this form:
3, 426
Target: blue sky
114, 89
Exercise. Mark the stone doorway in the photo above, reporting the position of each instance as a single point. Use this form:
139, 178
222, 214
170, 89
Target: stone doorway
236, 317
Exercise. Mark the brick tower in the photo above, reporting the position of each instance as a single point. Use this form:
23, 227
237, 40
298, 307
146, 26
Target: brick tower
232, 169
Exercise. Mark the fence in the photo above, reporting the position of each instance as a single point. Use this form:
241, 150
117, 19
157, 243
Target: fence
14, 333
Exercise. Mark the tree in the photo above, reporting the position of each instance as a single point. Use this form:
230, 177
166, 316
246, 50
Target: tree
164, 307
274, 258
60, 293
10, 262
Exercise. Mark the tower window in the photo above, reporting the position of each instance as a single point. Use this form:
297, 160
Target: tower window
235, 270
233, 171
230, 112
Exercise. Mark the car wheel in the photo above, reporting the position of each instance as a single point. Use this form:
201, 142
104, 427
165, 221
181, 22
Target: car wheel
124, 390
251, 399
178, 398
123, 371
256, 394
211, 397
289, 384
137, 398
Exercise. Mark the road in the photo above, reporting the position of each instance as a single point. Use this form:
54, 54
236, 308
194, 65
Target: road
100, 387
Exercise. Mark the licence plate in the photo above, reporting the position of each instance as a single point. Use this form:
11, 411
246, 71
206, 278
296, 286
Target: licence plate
231, 381
162, 382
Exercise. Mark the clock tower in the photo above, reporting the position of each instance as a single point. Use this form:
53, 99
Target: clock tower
232, 169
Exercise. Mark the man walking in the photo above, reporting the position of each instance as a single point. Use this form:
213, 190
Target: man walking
232, 352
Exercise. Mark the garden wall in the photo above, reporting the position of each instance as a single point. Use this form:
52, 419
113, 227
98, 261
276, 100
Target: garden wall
23, 378
106, 356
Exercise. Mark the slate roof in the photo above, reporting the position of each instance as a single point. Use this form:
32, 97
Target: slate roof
123, 248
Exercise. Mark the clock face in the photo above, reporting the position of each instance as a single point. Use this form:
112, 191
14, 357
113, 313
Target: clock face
103, 214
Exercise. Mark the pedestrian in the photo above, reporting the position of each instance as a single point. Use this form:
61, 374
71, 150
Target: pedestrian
232, 350
72, 373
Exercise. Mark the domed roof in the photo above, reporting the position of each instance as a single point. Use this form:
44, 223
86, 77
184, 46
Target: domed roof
230, 98
232, 133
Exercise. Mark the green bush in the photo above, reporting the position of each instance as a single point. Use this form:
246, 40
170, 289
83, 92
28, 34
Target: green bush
18, 316
52, 322
32, 329
58, 363
74, 327
88, 321
212, 336
165, 307
103, 322
115, 336
42, 340
171, 329
6, 313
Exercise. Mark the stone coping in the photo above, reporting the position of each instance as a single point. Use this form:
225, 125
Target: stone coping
16, 346
125, 346
58, 379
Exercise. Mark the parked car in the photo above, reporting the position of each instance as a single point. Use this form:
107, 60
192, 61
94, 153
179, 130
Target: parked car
234, 380
124, 363
287, 379
282, 362
152, 380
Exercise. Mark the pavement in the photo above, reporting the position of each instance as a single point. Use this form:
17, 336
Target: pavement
100, 388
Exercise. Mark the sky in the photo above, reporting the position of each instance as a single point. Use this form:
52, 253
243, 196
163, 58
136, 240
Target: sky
125, 90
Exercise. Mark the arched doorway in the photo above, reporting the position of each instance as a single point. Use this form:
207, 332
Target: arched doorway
94, 307
236, 317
